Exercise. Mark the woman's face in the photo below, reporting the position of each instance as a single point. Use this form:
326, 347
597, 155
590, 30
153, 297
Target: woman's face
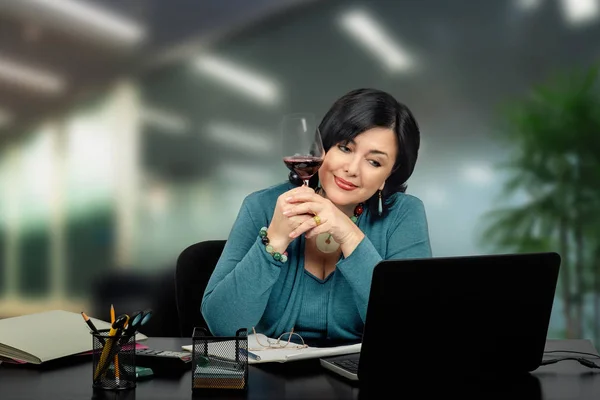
352, 172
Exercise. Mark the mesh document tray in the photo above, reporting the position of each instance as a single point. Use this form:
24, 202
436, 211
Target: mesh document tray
219, 362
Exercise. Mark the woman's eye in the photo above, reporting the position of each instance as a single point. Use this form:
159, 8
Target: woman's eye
343, 148
375, 163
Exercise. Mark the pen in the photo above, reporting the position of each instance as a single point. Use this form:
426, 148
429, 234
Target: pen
112, 314
136, 320
116, 350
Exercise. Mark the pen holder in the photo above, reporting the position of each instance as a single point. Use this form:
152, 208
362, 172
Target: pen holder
219, 362
113, 361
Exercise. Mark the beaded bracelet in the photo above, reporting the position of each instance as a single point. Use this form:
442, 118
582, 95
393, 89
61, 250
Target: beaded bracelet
276, 256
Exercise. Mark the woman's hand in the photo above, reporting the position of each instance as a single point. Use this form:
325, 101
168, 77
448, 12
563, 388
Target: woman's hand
331, 220
281, 224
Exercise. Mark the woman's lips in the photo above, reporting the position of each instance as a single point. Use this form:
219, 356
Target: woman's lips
343, 184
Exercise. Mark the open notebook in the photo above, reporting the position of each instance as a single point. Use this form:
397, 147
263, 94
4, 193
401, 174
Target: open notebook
40, 337
291, 354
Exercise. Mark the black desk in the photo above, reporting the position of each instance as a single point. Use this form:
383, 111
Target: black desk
71, 379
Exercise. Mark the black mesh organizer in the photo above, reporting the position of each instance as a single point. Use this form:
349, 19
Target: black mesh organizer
113, 361
219, 362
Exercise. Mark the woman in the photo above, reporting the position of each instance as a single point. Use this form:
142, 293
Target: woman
296, 258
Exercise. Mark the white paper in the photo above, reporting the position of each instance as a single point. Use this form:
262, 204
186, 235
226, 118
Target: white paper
290, 354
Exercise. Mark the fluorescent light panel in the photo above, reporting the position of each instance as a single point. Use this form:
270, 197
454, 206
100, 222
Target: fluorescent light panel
363, 28
237, 77
240, 137
166, 120
32, 78
90, 16
578, 12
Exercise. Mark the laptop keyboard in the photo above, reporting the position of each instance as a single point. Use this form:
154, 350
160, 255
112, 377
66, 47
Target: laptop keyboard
348, 365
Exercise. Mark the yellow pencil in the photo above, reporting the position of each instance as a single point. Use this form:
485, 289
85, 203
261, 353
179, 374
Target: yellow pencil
115, 327
115, 359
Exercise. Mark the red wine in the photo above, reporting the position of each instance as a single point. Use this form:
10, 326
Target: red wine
304, 166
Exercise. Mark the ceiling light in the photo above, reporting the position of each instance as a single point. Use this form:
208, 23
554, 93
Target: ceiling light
165, 120
579, 12
248, 82
29, 77
369, 33
241, 137
83, 17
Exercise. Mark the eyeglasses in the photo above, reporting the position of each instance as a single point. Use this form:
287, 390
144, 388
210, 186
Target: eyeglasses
268, 343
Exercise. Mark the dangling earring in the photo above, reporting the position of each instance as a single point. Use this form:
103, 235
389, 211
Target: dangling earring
380, 206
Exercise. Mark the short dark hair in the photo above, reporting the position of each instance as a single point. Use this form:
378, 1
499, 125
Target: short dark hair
364, 109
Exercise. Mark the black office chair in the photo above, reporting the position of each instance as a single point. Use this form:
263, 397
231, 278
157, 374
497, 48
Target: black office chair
194, 267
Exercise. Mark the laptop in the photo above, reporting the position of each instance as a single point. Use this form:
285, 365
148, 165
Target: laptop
467, 315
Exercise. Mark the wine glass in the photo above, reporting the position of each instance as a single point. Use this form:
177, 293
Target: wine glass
303, 150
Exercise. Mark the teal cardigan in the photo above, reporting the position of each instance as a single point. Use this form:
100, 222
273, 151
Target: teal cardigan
248, 288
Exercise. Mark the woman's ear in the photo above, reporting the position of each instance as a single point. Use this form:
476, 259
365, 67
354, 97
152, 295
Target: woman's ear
382, 186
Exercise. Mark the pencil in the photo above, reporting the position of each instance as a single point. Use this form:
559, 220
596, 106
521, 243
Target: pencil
110, 345
106, 350
116, 358
89, 322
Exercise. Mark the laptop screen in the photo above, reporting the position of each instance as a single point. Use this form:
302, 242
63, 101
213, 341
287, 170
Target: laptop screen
477, 314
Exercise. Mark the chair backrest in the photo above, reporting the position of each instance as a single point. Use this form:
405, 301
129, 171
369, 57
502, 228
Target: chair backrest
194, 267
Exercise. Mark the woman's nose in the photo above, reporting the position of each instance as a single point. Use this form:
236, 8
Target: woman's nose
351, 167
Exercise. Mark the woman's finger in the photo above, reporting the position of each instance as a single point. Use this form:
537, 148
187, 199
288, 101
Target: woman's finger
298, 191
307, 225
303, 208
315, 231
303, 197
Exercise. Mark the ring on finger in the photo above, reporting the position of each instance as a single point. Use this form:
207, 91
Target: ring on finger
317, 220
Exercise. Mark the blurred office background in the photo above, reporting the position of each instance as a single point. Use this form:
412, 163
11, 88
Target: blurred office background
130, 130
